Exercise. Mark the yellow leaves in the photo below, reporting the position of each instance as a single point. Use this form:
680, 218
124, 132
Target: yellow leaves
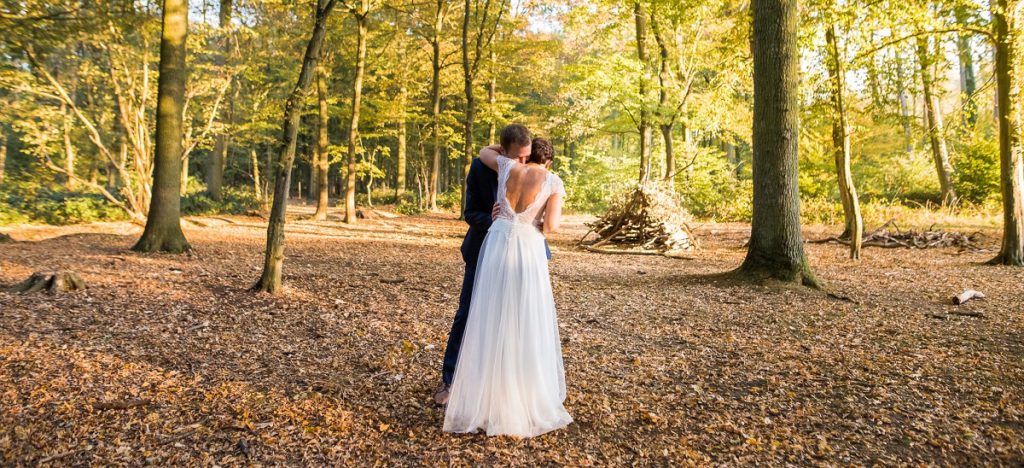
408, 347
384, 427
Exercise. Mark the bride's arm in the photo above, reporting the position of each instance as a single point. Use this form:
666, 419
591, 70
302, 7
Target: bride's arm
489, 156
552, 214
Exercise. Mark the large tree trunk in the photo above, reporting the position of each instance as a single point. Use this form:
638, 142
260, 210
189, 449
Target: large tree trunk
966, 56
215, 173
854, 226
467, 79
1009, 65
933, 116
163, 224
776, 247
644, 126
353, 127
323, 160
270, 280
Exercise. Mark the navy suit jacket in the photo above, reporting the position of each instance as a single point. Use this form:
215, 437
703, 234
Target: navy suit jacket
481, 191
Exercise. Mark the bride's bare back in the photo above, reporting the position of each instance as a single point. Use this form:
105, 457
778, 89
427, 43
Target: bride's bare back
525, 182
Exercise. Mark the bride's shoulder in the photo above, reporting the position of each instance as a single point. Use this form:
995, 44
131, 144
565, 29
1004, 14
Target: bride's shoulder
557, 186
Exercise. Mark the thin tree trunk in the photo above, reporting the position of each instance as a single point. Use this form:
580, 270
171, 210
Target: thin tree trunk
69, 149
435, 107
3, 155
667, 120
967, 79
492, 101
257, 187
854, 225
400, 162
353, 128
270, 280
1006, 19
933, 116
905, 112
468, 73
323, 160
163, 224
644, 125
215, 173
776, 245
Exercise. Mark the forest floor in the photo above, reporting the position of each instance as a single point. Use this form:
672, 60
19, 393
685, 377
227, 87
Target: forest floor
169, 359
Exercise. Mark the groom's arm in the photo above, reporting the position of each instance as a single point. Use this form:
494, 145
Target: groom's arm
476, 214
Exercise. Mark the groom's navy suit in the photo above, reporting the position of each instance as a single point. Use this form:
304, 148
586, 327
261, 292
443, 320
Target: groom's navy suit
481, 191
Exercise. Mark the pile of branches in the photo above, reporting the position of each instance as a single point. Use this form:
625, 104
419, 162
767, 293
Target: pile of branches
648, 220
890, 236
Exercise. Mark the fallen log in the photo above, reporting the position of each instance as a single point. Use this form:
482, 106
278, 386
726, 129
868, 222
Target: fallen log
966, 296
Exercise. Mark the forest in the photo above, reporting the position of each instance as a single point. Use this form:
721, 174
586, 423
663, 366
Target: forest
230, 229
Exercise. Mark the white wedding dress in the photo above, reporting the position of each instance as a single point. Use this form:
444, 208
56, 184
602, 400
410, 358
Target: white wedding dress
510, 379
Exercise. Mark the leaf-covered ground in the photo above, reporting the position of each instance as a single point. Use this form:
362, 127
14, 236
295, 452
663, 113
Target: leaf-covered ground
168, 359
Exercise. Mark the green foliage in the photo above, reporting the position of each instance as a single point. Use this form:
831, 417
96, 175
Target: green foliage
408, 205
977, 176
235, 201
450, 200
710, 189
30, 202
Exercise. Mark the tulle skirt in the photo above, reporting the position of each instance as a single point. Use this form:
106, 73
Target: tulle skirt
510, 379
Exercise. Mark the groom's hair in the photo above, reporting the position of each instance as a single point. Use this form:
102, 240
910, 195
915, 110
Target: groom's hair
515, 134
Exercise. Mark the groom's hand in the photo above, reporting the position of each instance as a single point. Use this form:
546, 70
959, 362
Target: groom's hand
494, 211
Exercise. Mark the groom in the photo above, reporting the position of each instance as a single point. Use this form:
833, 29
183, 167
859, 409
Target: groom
481, 191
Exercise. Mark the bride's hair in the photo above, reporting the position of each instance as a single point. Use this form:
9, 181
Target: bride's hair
541, 151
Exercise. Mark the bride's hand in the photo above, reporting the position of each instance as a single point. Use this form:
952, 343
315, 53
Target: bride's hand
494, 212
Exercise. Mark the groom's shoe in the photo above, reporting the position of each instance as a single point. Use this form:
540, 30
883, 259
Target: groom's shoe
441, 397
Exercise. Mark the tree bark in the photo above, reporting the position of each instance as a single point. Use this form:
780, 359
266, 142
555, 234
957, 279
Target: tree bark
357, 93
3, 154
254, 161
468, 73
665, 115
933, 116
323, 160
905, 118
270, 280
163, 224
1006, 19
215, 173
644, 125
967, 79
854, 223
435, 106
69, 149
776, 248
492, 101
400, 162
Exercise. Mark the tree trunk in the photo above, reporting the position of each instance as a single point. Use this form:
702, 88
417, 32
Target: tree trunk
467, 80
3, 154
1006, 19
270, 280
257, 187
69, 149
776, 247
966, 56
163, 224
435, 107
492, 101
644, 125
664, 114
323, 160
353, 127
400, 162
854, 226
933, 116
905, 118
215, 173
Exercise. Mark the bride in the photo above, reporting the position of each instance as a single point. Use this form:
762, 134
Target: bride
510, 379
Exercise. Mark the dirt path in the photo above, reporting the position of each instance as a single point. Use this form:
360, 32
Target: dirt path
168, 359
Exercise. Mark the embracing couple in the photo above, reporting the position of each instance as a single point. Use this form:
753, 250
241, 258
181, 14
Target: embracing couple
503, 370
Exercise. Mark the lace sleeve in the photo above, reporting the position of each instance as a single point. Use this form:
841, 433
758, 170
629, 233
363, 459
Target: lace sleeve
557, 187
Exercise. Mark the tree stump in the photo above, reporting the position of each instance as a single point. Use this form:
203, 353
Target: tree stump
53, 282
5, 239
